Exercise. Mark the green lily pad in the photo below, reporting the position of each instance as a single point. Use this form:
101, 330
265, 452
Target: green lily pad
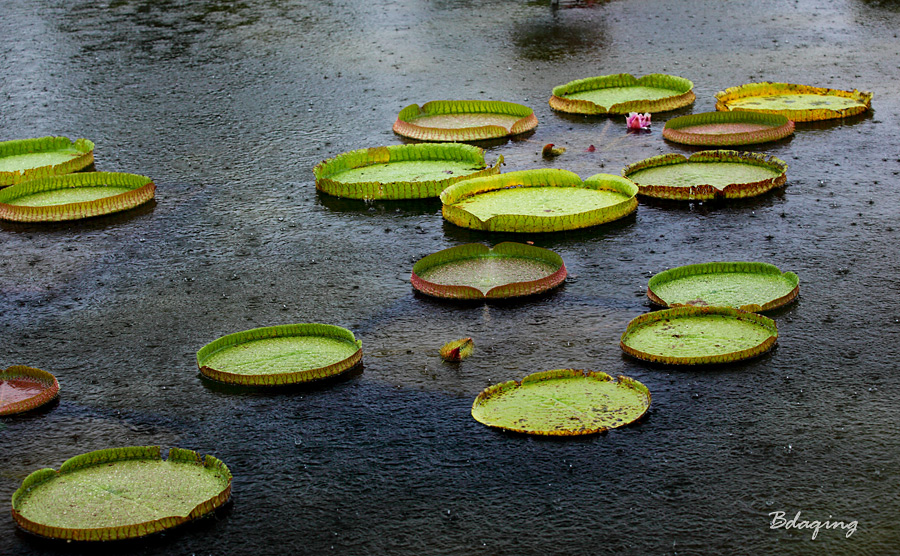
25, 388
749, 286
28, 159
623, 93
120, 493
562, 402
74, 196
547, 200
707, 175
698, 335
464, 120
280, 355
475, 271
800, 103
720, 129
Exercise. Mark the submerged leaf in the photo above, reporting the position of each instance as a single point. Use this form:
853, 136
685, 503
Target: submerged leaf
457, 350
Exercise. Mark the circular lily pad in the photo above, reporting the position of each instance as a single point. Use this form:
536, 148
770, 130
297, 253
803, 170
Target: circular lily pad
623, 93
401, 171
74, 196
280, 355
562, 402
464, 120
475, 271
698, 335
800, 103
707, 175
120, 493
25, 388
28, 159
547, 200
749, 286
720, 129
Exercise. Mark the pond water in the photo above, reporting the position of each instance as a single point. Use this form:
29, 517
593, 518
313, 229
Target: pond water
229, 105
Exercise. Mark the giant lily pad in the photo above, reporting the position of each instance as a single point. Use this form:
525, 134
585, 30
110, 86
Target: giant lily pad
562, 402
28, 159
280, 355
476, 271
749, 286
464, 120
25, 388
800, 103
120, 493
698, 335
623, 93
722, 129
707, 175
401, 171
545, 200
74, 196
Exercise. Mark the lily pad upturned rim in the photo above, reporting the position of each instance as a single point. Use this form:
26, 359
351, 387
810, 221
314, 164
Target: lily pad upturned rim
109, 457
280, 331
682, 88
142, 190
687, 312
406, 126
726, 267
395, 153
778, 127
767, 88
546, 177
45, 144
703, 192
496, 390
46, 395
477, 250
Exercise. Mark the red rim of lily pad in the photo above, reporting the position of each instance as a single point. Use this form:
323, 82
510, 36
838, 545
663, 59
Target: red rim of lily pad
25, 388
76, 155
722, 129
464, 120
545, 268
755, 97
682, 94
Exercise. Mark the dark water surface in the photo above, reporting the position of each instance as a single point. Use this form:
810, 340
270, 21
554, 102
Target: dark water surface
229, 105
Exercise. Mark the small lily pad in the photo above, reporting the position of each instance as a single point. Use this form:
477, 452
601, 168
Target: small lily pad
280, 355
457, 350
799, 103
28, 159
25, 388
749, 286
623, 93
464, 120
707, 175
698, 335
562, 402
720, 129
120, 493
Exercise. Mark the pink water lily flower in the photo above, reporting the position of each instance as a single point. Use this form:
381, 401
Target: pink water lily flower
638, 121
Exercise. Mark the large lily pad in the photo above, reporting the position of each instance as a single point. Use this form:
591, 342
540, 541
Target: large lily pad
546, 200
280, 355
698, 335
401, 171
120, 493
74, 196
800, 103
623, 93
28, 159
476, 271
464, 120
25, 388
562, 402
707, 175
720, 129
749, 286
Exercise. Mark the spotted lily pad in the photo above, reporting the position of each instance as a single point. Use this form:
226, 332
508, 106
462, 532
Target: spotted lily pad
623, 93
25, 388
280, 355
698, 335
707, 175
546, 200
749, 286
120, 493
720, 129
800, 103
562, 402
464, 120
28, 159
476, 271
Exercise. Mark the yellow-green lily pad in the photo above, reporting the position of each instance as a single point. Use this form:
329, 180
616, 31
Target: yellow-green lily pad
28, 159
799, 103
464, 120
623, 93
